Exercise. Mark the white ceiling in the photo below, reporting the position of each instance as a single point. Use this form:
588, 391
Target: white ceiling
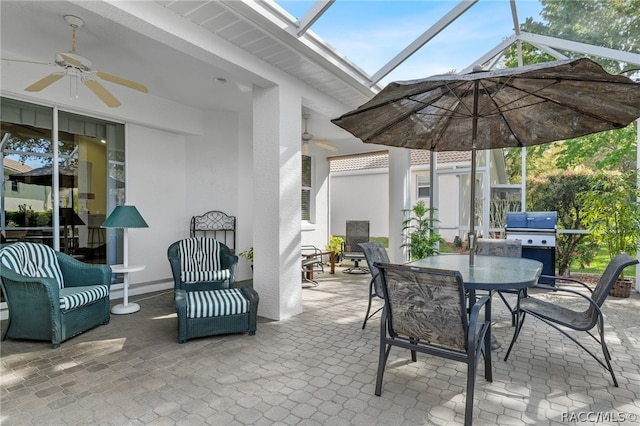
37, 31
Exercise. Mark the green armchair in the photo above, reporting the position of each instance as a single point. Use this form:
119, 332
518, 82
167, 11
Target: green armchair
51, 296
201, 263
206, 299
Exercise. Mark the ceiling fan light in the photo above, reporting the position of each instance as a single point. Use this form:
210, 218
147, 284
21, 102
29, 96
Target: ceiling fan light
305, 148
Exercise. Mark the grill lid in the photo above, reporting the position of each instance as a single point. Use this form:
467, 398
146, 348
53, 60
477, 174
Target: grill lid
531, 220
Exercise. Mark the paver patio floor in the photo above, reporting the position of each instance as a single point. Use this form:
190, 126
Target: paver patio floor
317, 368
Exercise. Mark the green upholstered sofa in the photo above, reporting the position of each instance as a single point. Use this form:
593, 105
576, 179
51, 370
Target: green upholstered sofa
51, 296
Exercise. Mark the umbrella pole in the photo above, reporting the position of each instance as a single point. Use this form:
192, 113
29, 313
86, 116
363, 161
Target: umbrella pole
472, 211
472, 225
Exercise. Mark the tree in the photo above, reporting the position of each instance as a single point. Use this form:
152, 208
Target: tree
539, 161
610, 150
37, 150
561, 191
612, 212
608, 23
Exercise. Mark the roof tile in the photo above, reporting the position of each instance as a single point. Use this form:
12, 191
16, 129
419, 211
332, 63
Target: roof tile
380, 160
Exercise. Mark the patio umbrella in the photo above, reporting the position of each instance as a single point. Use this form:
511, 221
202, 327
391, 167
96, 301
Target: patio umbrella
43, 176
513, 107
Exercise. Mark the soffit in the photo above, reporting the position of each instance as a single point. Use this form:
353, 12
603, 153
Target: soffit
265, 33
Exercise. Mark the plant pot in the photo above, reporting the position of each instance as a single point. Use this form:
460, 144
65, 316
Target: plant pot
622, 288
332, 262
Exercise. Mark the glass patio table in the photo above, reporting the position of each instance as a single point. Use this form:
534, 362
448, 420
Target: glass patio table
490, 273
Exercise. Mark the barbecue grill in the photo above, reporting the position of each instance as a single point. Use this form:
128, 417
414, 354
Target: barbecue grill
537, 231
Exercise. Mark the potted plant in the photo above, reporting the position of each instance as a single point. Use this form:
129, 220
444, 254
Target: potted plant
335, 248
248, 254
612, 215
423, 238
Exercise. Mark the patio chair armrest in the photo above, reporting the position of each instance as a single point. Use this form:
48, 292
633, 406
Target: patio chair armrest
557, 289
479, 304
374, 278
180, 299
77, 274
567, 279
27, 293
473, 336
313, 256
230, 261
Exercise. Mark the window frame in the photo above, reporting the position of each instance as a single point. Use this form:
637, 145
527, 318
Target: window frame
308, 189
419, 186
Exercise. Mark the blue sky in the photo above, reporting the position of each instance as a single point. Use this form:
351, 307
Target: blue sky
370, 33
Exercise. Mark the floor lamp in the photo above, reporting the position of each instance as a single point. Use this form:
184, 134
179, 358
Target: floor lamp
125, 217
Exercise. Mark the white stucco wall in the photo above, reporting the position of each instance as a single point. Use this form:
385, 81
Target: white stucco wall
156, 184
449, 202
360, 196
211, 159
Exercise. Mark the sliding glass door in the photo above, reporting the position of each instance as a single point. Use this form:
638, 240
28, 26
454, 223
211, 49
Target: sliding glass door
64, 211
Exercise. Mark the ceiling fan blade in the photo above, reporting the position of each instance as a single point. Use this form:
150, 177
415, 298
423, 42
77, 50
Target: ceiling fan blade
25, 61
102, 93
325, 145
45, 82
71, 60
122, 81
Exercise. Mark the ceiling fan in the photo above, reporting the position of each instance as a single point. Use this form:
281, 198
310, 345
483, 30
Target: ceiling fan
308, 137
77, 66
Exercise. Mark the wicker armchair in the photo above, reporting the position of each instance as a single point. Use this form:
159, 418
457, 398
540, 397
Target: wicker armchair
426, 311
206, 299
51, 296
578, 312
201, 263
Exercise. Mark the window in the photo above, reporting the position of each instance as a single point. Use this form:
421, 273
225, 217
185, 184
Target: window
90, 179
306, 187
424, 186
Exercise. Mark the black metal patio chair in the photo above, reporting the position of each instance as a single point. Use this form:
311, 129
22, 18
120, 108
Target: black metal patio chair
505, 248
426, 311
311, 263
561, 313
357, 231
374, 253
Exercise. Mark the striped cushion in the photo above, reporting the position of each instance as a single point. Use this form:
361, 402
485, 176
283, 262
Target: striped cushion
214, 303
71, 297
32, 260
200, 276
200, 260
